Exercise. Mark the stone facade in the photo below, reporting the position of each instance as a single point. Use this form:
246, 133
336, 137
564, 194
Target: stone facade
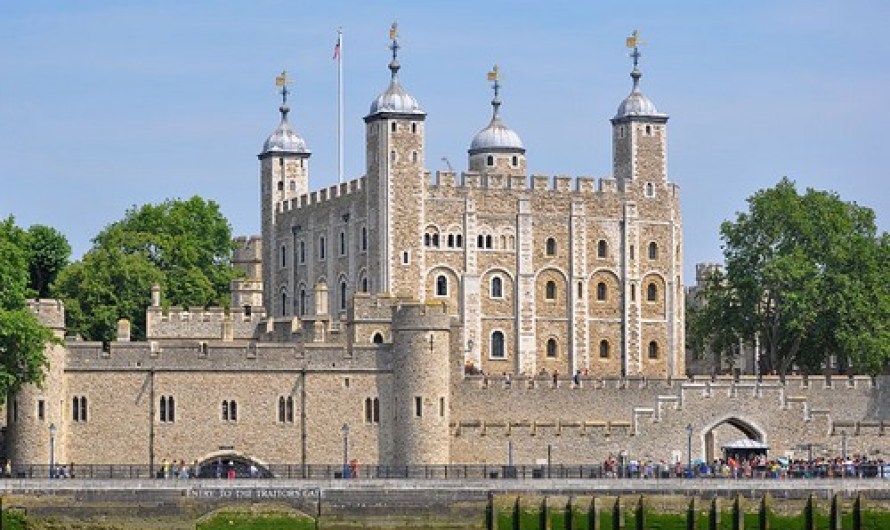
437, 319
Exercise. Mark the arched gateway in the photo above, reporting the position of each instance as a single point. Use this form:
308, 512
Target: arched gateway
728, 429
218, 465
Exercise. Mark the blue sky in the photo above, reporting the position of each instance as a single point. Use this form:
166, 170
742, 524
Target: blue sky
105, 105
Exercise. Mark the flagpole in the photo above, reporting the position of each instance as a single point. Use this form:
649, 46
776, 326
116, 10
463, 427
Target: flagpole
340, 105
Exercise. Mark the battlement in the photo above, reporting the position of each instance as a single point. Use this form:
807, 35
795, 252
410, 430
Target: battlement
324, 195
202, 323
50, 312
419, 315
472, 180
247, 249
372, 306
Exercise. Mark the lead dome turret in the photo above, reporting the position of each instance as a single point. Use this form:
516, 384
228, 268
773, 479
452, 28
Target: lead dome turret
497, 148
284, 139
395, 99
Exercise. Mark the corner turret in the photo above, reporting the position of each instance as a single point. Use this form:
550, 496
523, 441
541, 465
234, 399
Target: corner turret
497, 148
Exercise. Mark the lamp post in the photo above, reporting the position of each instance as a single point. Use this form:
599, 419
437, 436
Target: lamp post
52, 450
844, 444
345, 430
689, 450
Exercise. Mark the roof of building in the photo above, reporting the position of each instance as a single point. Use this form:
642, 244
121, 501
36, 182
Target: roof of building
395, 98
284, 139
496, 136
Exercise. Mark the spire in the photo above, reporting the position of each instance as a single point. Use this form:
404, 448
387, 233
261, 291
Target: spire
282, 81
636, 104
493, 75
394, 37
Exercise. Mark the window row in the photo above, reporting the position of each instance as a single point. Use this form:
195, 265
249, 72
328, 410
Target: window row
431, 239
497, 347
514, 161
322, 247
496, 289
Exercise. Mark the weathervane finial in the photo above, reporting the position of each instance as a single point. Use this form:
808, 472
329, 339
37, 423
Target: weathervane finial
494, 75
394, 37
282, 81
634, 42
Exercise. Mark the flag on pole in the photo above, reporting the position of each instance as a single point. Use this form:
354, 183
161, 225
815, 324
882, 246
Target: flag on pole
493, 74
337, 48
631, 41
394, 31
281, 80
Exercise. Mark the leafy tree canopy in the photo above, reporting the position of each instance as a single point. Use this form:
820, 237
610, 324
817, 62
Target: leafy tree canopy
185, 245
48, 253
22, 338
807, 276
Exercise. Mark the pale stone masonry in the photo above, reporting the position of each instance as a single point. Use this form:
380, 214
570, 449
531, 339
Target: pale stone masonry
441, 317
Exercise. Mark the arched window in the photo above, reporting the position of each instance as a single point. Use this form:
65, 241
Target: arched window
653, 350
601, 292
376, 403
365, 287
580, 290
460, 241
515, 161
441, 285
436, 240
601, 248
489, 160
171, 409
480, 241
497, 344
487, 241
604, 349
392, 155
302, 302
233, 410
427, 240
225, 410
551, 348
378, 338
450, 240
497, 287
503, 241
343, 293
648, 130
550, 246
650, 190
280, 185
293, 185
550, 290
652, 292
653, 250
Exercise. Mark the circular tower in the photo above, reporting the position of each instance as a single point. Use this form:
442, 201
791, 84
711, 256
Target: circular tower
35, 414
421, 382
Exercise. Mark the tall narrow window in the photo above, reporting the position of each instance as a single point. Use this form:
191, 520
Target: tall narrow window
283, 256
497, 287
604, 349
79, 409
427, 239
551, 348
342, 296
441, 407
233, 410
167, 409
487, 241
376, 403
290, 409
497, 344
365, 284
441, 285
418, 406
364, 238
652, 292
225, 411
322, 247
436, 240
83, 408
653, 250
162, 408
450, 241
489, 160
632, 252
302, 252
281, 411
480, 241
601, 248
342, 243
653, 350
550, 246
459, 240
550, 290
601, 291
41, 409
284, 304
580, 290
650, 190
302, 302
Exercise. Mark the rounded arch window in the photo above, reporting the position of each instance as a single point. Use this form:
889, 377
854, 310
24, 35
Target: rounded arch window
653, 250
280, 185
497, 287
550, 290
601, 291
550, 246
515, 161
653, 350
489, 160
552, 348
441, 285
497, 344
604, 349
377, 338
651, 292
650, 190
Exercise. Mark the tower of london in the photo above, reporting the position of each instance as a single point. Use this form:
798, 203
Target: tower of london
435, 318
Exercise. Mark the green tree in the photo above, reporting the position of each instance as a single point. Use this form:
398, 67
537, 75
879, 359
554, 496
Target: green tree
185, 245
806, 276
22, 338
48, 253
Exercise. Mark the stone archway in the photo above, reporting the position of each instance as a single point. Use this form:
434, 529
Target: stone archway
727, 429
217, 465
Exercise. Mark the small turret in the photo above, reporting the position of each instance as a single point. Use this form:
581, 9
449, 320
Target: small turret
497, 148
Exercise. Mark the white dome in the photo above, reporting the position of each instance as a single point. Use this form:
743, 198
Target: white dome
496, 136
395, 99
636, 104
284, 139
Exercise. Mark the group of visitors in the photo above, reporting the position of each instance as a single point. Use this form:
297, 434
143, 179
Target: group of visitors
221, 470
756, 467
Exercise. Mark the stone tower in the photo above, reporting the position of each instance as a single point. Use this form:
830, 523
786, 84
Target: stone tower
497, 149
421, 383
34, 410
284, 175
394, 130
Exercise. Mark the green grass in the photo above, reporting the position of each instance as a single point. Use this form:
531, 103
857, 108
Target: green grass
255, 521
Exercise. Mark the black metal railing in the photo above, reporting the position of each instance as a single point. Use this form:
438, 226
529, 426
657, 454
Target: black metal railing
223, 470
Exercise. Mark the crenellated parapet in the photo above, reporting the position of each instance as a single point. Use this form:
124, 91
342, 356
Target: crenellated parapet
473, 180
322, 196
213, 323
50, 312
